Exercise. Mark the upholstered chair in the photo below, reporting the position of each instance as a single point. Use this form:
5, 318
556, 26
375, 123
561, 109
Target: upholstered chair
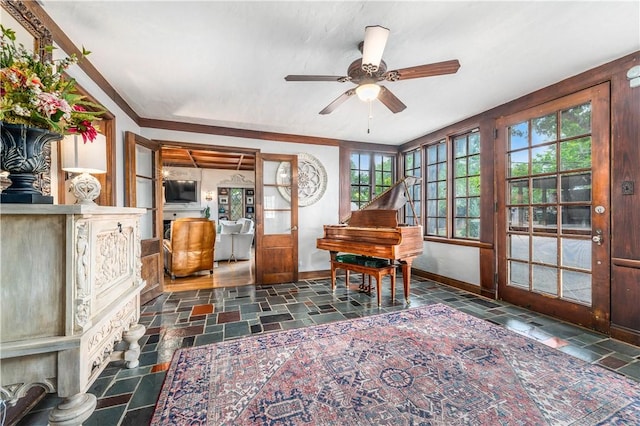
234, 240
190, 247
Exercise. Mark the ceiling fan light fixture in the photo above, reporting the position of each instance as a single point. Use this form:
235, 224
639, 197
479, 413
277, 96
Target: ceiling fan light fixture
368, 92
375, 39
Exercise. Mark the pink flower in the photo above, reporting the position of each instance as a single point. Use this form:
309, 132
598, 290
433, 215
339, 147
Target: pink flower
49, 104
85, 129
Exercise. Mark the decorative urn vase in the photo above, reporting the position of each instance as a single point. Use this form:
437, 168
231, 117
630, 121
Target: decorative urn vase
22, 154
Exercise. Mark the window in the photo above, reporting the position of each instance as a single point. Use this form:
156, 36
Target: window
466, 186
364, 166
436, 196
453, 170
413, 167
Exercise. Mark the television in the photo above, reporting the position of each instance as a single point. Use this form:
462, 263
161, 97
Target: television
180, 191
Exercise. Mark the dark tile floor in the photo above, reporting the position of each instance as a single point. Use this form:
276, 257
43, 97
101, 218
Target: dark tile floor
184, 319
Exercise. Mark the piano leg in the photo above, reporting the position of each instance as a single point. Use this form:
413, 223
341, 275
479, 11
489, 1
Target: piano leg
406, 278
333, 270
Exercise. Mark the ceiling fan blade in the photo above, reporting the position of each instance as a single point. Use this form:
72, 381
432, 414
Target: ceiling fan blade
428, 70
338, 101
390, 100
375, 39
341, 79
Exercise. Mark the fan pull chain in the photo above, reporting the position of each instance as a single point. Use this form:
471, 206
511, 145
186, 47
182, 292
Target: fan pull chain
370, 117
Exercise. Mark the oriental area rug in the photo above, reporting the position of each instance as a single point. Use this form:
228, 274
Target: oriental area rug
431, 365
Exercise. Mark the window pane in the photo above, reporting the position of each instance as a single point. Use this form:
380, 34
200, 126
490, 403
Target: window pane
518, 274
576, 253
519, 163
442, 152
519, 136
432, 225
442, 208
576, 286
460, 167
442, 227
519, 190
442, 171
544, 159
576, 121
474, 207
474, 185
442, 189
474, 165
576, 219
432, 154
474, 143
519, 247
545, 279
544, 190
432, 208
545, 250
474, 228
461, 207
576, 187
575, 154
461, 187
460, 228
543, 129
432, 172
518, 218
432, 190
460, 147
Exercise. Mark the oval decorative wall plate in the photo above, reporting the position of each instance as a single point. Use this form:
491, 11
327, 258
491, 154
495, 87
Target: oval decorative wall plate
312, 180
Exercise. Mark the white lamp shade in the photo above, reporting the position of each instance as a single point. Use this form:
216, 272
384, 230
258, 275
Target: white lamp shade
375, 39
368, 92
81, 157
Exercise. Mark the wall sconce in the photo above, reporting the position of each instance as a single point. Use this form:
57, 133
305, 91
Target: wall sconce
208, 195
84, 158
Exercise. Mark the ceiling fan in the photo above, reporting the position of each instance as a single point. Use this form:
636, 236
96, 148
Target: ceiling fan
370, 69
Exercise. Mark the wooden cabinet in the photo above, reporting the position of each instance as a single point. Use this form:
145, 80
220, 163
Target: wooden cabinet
70, 282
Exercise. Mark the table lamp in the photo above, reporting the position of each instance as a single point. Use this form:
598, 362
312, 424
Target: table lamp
84, 158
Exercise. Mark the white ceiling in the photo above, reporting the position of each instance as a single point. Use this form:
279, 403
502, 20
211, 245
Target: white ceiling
223, 63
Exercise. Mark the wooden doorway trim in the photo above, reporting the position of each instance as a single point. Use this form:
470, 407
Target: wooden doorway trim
151, 245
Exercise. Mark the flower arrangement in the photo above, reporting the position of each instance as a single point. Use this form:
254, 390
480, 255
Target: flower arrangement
36, 93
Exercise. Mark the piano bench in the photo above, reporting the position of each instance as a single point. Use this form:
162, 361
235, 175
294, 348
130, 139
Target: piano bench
371, 271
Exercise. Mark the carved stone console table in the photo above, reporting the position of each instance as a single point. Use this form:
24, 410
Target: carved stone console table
70, 286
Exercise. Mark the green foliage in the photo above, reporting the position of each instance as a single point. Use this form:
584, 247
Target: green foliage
36, 93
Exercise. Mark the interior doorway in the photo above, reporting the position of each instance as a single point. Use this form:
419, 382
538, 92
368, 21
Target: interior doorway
215, 171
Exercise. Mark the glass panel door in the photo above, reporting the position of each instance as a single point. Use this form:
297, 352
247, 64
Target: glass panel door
553, 231
277, 208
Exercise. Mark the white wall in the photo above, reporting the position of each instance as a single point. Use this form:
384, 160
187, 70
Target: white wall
123, 122
310, 218
458, 262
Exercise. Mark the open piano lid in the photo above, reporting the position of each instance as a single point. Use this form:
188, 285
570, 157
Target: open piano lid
382, 211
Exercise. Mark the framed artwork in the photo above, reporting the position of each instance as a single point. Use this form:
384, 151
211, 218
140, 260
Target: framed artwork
223, 191
249, 191
250, 200
249, 209
223, 200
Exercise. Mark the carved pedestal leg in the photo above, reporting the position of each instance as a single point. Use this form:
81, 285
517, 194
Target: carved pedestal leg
73, 410
132, 336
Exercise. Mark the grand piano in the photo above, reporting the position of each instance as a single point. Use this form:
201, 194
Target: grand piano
374, 231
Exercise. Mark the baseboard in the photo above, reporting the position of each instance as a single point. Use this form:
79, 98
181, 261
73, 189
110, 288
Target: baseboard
314, 275
447, 281
625, 334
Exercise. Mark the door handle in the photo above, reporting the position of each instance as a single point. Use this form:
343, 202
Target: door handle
598, 239
294, 228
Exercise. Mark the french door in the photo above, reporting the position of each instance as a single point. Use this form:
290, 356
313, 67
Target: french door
277, 213
553, 218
